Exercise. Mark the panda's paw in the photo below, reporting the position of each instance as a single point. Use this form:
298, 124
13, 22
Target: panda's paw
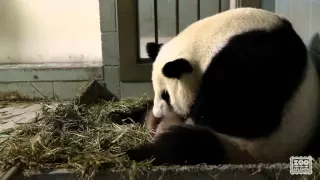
141, 153
135, 155
181, 145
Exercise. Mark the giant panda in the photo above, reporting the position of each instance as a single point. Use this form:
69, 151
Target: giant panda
243, 78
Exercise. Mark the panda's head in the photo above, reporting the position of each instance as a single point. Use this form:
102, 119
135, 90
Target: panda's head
174, 79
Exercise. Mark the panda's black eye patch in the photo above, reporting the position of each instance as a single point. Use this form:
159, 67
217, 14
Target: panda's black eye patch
166, 97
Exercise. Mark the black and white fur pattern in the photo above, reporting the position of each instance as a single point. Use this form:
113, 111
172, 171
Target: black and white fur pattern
242, 77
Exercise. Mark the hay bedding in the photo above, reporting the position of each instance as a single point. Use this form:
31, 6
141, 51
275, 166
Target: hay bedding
83, 139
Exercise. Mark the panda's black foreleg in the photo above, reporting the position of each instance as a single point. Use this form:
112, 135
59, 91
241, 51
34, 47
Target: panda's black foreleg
181, 145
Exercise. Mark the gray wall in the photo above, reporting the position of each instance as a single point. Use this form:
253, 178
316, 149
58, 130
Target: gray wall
268, 5
304, 15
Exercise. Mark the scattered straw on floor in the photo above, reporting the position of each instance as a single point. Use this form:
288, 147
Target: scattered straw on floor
83, 139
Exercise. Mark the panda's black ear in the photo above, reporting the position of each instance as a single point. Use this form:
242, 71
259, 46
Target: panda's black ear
175, 69
153, 49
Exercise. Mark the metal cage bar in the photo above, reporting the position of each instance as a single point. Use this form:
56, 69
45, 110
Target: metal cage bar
198, 10
220, 6
177, 17
155, 15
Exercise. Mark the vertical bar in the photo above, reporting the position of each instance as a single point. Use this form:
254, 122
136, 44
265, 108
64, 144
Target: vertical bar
220, 6
233, 4
137, 28
198, 9
177, 17
155, 10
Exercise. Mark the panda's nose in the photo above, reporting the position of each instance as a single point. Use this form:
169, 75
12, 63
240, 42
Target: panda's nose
157, 113
159, 109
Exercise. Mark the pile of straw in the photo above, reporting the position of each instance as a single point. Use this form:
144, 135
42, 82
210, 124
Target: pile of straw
83, 139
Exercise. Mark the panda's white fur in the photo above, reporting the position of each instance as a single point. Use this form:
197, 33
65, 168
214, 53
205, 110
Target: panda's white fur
199, 42
202, 41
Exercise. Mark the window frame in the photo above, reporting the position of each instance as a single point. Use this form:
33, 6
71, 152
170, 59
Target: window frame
128, 31
132, 69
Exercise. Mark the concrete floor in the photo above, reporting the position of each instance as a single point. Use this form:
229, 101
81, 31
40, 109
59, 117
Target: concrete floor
15, 113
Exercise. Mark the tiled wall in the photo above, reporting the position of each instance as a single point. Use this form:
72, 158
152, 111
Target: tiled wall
110, 51
43, 82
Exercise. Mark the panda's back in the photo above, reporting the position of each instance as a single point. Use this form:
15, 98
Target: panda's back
257, 85
204, 38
